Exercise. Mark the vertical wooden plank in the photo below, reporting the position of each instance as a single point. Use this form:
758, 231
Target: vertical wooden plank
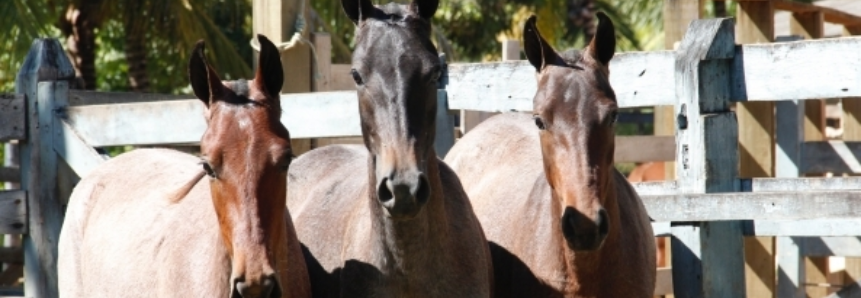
755, 24
852, 106
42, 78
816, 274
809, 25
323, 48
791, 273
678, 14
759, 266
756, 150
277, 19
853, 270
707, 256
852, 119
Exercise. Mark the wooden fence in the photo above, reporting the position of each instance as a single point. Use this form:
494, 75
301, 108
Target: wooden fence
707, 210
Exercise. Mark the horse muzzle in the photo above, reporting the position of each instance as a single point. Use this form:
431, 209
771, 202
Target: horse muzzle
403, 196
583, 233
266, 287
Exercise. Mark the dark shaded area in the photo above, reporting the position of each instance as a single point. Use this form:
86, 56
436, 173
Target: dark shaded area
329, 285
512, 278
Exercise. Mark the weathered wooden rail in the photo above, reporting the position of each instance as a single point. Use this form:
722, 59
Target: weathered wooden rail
707, 210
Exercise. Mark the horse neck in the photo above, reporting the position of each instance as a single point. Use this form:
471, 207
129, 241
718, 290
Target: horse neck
413, 244
583, 268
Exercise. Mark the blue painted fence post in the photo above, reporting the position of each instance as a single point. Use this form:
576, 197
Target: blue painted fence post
43, 79
444, 139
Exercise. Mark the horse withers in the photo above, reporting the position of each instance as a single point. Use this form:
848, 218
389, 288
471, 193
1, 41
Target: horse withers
147, 224
560, 220
389, 219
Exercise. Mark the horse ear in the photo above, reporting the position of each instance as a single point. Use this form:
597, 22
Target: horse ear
538, 51
603, 44
358, 10
270, 74
204, 81
424, 8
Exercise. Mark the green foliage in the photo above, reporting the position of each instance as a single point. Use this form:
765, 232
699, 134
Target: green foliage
171, 29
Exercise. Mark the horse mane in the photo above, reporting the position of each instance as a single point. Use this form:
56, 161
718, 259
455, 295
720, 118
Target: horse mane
179, 194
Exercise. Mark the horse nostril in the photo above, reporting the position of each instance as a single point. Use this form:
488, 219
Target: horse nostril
271, 288
238, 287
268, 288
423, 191
603, 223
384, 194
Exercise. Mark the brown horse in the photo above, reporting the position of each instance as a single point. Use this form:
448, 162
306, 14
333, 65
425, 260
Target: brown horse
389, 219
146, 224
561, 221
652, 171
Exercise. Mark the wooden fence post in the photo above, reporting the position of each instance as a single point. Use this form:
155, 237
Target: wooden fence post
277, 19
43, 78
707, 256
444, 139
678, 14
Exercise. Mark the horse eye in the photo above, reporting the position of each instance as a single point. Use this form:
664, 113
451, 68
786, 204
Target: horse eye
208, 169
356, 76
614, 117
284, 164
538, 122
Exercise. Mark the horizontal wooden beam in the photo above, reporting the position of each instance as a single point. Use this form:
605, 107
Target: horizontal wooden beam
831, 15
831, 156
150, 123
802, 70
794, 6
759, 206
639, 79
79, 155
806, 227
13, 212
84, 97
645, 148
656, 188
803, 184
13, 255
12, 117
306, 115
10, 175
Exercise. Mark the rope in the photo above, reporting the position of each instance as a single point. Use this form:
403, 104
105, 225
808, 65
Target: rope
297, 38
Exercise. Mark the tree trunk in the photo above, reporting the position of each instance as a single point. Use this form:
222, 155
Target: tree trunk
79, 25
136, 58
720, 8
581, 16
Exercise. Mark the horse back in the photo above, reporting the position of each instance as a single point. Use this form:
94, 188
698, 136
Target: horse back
326, 190
123, 236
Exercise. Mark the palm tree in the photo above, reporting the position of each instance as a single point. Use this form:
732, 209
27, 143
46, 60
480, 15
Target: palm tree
150, 29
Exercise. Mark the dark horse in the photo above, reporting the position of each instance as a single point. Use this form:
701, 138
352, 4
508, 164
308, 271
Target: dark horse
561, 220
147, 224
389, 219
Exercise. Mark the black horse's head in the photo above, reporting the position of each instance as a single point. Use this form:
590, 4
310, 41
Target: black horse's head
396, 67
